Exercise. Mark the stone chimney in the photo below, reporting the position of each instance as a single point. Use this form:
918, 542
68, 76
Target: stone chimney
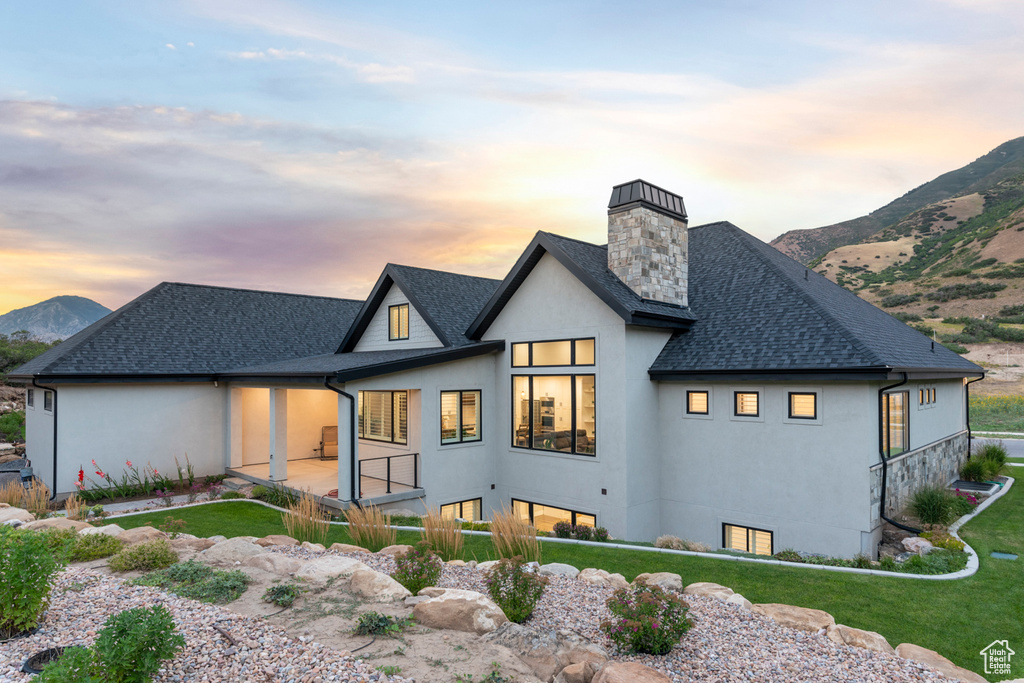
647, 241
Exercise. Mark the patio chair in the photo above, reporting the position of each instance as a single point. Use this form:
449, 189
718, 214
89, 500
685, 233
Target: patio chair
329, 443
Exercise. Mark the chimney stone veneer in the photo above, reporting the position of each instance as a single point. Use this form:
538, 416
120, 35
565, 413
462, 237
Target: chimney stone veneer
647, 234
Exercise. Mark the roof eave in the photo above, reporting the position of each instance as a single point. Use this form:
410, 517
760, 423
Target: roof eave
803, 374
445, 356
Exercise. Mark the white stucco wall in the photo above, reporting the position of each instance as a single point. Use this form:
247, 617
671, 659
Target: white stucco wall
39, 438
930, 423
255, 425
309, 410
375, 336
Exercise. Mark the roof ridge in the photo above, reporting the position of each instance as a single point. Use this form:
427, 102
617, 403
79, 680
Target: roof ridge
573, 239
257, 291
446, 272
818, 308
712, 224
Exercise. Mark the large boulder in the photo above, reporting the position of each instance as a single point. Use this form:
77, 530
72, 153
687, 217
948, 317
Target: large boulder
348, 548
708, 590
599, 577
395, 550
231, 551
141, 534
460, 610
855, 637
323, 569
665, 580
583, 672
559, 569
55, 523
105, 530
548, 652
275, 563
800, 618
629, 672
24, 516
933, 660
916, 544
276, 539
317, 547
737, 599
377, 586
186, 543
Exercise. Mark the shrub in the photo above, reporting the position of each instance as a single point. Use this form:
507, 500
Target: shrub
275, 495
899, 300
418, 568
306, 520
375, 624
370, 528
993, 454
955, 348
514, 589
601, 534
443, 535
676, 543
646, 619
27, 565
172, 527
973, 469
512, 537
932, 505
231, 495
942, 540
788, 555
144, 557
282, 594
583, 533
198, 581
132, 643
75, 665
562, 530
94, 547
963, 503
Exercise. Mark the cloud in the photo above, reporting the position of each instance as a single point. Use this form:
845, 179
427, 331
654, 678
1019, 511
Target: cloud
366, 72
170, 46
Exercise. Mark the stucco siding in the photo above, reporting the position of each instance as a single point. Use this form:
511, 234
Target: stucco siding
375, 336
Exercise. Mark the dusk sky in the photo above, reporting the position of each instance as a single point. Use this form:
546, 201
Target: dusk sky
300, 146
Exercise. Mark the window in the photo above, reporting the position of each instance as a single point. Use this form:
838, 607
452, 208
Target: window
895, 423
803, 406
470, 510
398, 322
697, 402
926, 396
555, 413
747, 539
48, 401
544, 517
383, 416
30, 398
746, 403
553, 353
460, 416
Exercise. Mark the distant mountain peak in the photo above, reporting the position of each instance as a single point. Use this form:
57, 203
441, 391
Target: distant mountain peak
56, 318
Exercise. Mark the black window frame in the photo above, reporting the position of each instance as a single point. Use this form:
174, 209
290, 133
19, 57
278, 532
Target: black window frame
394, 422
479, 501
47, 401
790, 396
572, 517
771, 538
480, 416
707, 402
736, 404
30, 398
529, 437
887, 423
572, 353
391, 336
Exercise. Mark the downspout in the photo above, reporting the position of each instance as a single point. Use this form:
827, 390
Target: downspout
967, 410
881, 453
53, 493
353, 429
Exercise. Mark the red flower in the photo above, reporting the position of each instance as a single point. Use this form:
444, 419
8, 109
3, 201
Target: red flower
81, 475
129, 463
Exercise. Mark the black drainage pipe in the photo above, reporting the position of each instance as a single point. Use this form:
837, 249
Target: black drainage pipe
353, 426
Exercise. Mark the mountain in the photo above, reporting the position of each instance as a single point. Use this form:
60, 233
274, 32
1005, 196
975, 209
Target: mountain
56, 318
1005, 161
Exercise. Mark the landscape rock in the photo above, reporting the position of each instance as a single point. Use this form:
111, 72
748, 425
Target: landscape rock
486, 566
934, 660
348, 548
708, 590
456, 563
141, 534
9, 513
323, 569
559, 569
582, 672
737, 599
916, 544
800, 618
431, 592
275, 563
318, 547
548, 652
665, 580
395, 550
55, 523
193, 544
599, 577
377, 586
841, 634
415, 600
4, 505
276, 539
108, 530
629, 672
460, 610
231, 551
218, 538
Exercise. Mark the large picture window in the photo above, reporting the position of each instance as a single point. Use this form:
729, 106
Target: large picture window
555, 413
460, 416
398, 322
747, 539
562, 352
383, 416
544, 517
895, 423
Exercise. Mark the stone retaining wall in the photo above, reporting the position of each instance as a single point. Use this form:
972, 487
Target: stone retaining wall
935, 464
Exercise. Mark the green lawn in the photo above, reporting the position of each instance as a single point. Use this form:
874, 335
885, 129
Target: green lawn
956, 618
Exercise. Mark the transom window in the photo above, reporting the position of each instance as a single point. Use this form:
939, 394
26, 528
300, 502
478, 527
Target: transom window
747, 403
555, 413
398, 322
697, 402
544, 517
383, 416
895, 423
926, 397
48, 401
803, 406
747, 539
470, 510
460, 416
562, 352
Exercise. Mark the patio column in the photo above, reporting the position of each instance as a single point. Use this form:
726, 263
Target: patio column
278, 434
348, 447
234, 445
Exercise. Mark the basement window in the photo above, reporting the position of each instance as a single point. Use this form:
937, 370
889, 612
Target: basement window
470, 510
544, 517
747, 539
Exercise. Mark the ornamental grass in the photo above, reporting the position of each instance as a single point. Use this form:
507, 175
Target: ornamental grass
370, 528
306, 520
513, 537
443, 535
75, 508
12, 493
36, 499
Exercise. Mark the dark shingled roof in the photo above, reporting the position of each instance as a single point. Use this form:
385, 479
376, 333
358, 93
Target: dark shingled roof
180, 329
758, 310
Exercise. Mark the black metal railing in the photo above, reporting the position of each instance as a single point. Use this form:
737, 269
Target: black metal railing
393, 470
